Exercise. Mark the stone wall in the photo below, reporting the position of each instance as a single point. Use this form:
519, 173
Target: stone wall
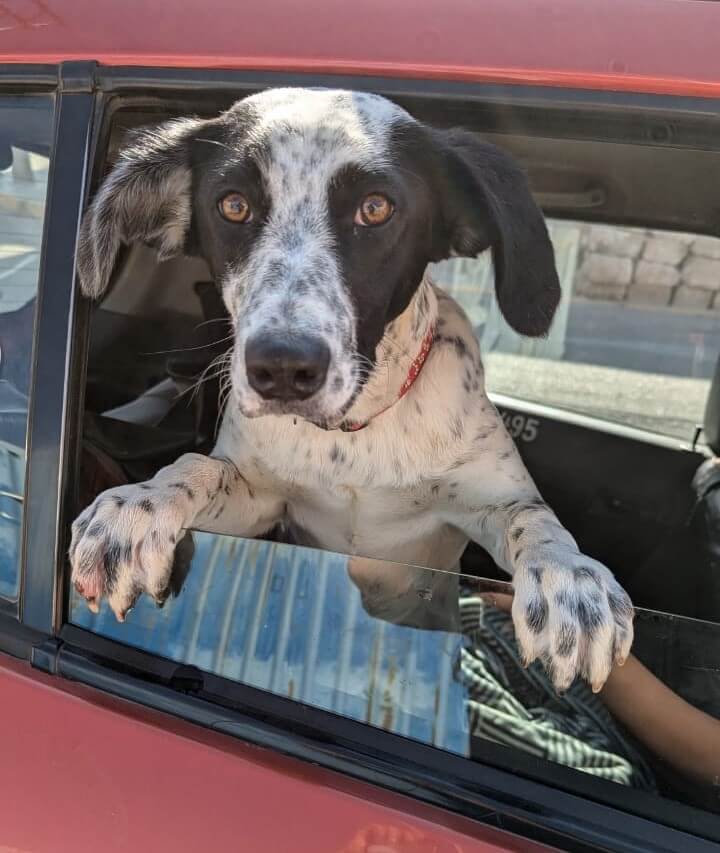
646, 267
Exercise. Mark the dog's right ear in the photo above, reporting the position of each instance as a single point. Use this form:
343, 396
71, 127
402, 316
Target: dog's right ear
145, 198
486, 203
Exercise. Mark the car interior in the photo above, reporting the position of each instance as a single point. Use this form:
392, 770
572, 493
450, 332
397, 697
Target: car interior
630, 501
643, 503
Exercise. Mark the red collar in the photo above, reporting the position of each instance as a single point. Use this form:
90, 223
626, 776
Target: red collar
413, 373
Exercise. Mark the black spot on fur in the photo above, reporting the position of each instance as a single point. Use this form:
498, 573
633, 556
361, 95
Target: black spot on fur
97, 528
183, 487
589, 616
118, 501
567, 638
111, 562
145, 487
536, 614
565, 598
620, 606
455, 341
586, 573
517, 533
485, 432
147, 506
518, 554
82, 526
536, 573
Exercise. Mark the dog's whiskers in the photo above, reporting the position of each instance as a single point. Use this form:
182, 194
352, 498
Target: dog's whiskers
213, 320
221, 366
189, 349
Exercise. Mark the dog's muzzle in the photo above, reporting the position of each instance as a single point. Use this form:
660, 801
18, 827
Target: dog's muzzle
286, 369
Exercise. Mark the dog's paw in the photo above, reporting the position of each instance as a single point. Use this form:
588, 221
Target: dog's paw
123, 544
570, 612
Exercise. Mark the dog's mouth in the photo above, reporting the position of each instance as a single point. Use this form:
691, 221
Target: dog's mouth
326, 408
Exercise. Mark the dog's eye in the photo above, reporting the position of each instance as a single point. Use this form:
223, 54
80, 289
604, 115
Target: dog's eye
375, 209
235, 208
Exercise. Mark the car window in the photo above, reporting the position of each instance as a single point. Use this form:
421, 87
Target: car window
25, 134
429, 655
422, 653
636, 336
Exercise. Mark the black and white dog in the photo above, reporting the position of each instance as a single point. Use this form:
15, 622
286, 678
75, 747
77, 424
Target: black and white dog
357, 414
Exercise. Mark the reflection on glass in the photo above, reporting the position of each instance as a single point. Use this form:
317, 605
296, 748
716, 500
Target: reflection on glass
426, 654
25, 133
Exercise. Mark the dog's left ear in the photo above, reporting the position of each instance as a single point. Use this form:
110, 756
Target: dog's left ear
486, 203
145, 198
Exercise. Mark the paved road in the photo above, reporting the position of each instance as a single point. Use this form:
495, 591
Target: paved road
665, 404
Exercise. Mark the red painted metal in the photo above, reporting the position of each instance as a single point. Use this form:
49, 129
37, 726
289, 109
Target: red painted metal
83, 771
662, 46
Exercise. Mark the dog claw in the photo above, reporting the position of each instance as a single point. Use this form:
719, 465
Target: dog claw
93, 605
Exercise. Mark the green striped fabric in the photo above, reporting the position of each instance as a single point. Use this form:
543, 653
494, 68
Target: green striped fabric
519, 708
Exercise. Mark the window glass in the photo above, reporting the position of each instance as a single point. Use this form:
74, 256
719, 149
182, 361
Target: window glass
636, 336
25, 134
430, 655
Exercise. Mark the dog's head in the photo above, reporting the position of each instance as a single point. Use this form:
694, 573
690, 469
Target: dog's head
318, 212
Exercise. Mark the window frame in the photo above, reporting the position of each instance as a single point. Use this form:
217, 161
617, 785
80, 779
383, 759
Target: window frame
28, 81
507, 788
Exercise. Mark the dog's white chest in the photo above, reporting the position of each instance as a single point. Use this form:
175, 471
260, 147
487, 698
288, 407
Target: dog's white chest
348, 492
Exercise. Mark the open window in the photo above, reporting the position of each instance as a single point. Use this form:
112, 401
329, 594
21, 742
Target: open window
607, 412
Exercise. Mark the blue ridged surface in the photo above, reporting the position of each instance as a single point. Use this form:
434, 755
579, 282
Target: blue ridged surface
290, 620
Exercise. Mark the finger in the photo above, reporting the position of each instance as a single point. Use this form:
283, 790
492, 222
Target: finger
501, 600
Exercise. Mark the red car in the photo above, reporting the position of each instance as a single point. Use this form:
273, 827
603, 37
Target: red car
263, 708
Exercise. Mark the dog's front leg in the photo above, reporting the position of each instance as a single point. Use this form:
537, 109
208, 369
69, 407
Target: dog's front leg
123, 543
568, 609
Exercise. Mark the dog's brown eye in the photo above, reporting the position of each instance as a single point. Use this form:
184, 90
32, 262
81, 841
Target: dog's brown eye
235, 208
375, 209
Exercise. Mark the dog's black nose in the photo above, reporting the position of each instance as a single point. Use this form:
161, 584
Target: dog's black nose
286, 369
